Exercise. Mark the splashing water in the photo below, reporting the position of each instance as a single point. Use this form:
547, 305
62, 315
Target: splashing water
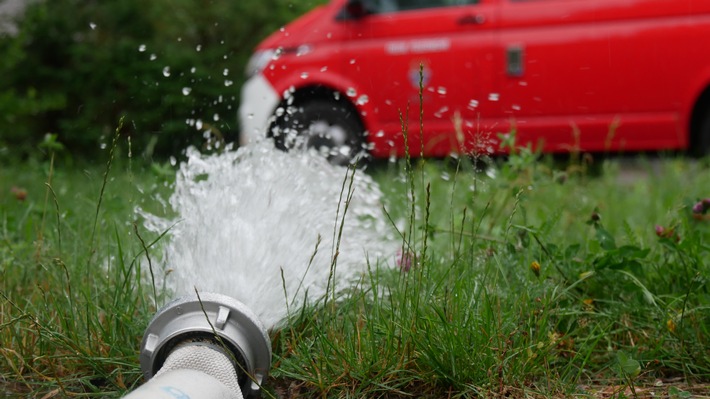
245, 217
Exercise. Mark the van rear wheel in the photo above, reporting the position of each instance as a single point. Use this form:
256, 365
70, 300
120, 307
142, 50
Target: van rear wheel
333, 129
700, 147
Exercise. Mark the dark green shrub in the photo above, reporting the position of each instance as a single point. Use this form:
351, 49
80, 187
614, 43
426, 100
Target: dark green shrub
77, 66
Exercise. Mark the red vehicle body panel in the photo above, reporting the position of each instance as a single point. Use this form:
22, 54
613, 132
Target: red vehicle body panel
591, 75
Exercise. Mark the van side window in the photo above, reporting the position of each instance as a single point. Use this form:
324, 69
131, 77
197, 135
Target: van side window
387, 6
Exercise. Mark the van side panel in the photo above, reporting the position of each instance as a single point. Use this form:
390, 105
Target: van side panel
604, 74
389, 53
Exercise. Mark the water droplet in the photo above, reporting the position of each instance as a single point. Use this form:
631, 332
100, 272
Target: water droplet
166, 71
282, 29
215, 117
303, 50
219, 99
277, 53
198, 48
336, 95
441, 90
352, 61
153, 57
472, 104
250, 115
228, 83
325, 68
493, 97
363, 99
193, 69
516, 107
225, 72
351, 92
141, 48
441, 112
173, 161
304, 75
198, 124
186, 91
92, 25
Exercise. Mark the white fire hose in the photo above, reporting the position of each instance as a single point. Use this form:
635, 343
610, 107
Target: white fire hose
211, 346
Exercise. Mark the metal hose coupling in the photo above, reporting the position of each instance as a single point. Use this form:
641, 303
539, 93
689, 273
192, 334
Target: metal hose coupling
204, 346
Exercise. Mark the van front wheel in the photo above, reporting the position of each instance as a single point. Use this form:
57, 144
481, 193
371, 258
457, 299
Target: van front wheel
333, 129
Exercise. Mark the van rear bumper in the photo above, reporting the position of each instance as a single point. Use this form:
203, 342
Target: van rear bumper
258, 102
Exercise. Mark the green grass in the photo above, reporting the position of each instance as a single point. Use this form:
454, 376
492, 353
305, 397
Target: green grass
611, 303
72, 310
611, 300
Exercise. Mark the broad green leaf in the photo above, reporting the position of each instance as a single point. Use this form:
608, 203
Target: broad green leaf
627, 365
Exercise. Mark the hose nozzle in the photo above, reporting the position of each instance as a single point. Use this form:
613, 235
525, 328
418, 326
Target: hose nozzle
212, 334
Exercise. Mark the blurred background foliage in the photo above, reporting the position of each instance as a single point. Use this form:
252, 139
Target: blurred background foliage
173, 68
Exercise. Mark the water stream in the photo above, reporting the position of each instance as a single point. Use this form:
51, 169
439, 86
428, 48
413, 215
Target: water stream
244, 218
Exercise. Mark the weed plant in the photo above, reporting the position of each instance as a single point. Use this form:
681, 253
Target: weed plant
525, 277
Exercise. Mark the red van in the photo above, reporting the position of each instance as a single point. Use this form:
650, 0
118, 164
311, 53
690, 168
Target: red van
590, 75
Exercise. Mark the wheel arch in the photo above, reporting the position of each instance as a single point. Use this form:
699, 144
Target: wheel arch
327, 85
319, 91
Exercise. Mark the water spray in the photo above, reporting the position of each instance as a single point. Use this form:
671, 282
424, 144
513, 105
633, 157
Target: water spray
259, 225
204, 346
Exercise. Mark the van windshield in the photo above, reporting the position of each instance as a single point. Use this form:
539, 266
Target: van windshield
386, 6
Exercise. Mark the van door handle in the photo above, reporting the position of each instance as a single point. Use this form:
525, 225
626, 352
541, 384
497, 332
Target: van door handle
477, 19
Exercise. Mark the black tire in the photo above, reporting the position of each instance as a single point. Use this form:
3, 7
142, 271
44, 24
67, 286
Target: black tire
331, 128
700, 147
